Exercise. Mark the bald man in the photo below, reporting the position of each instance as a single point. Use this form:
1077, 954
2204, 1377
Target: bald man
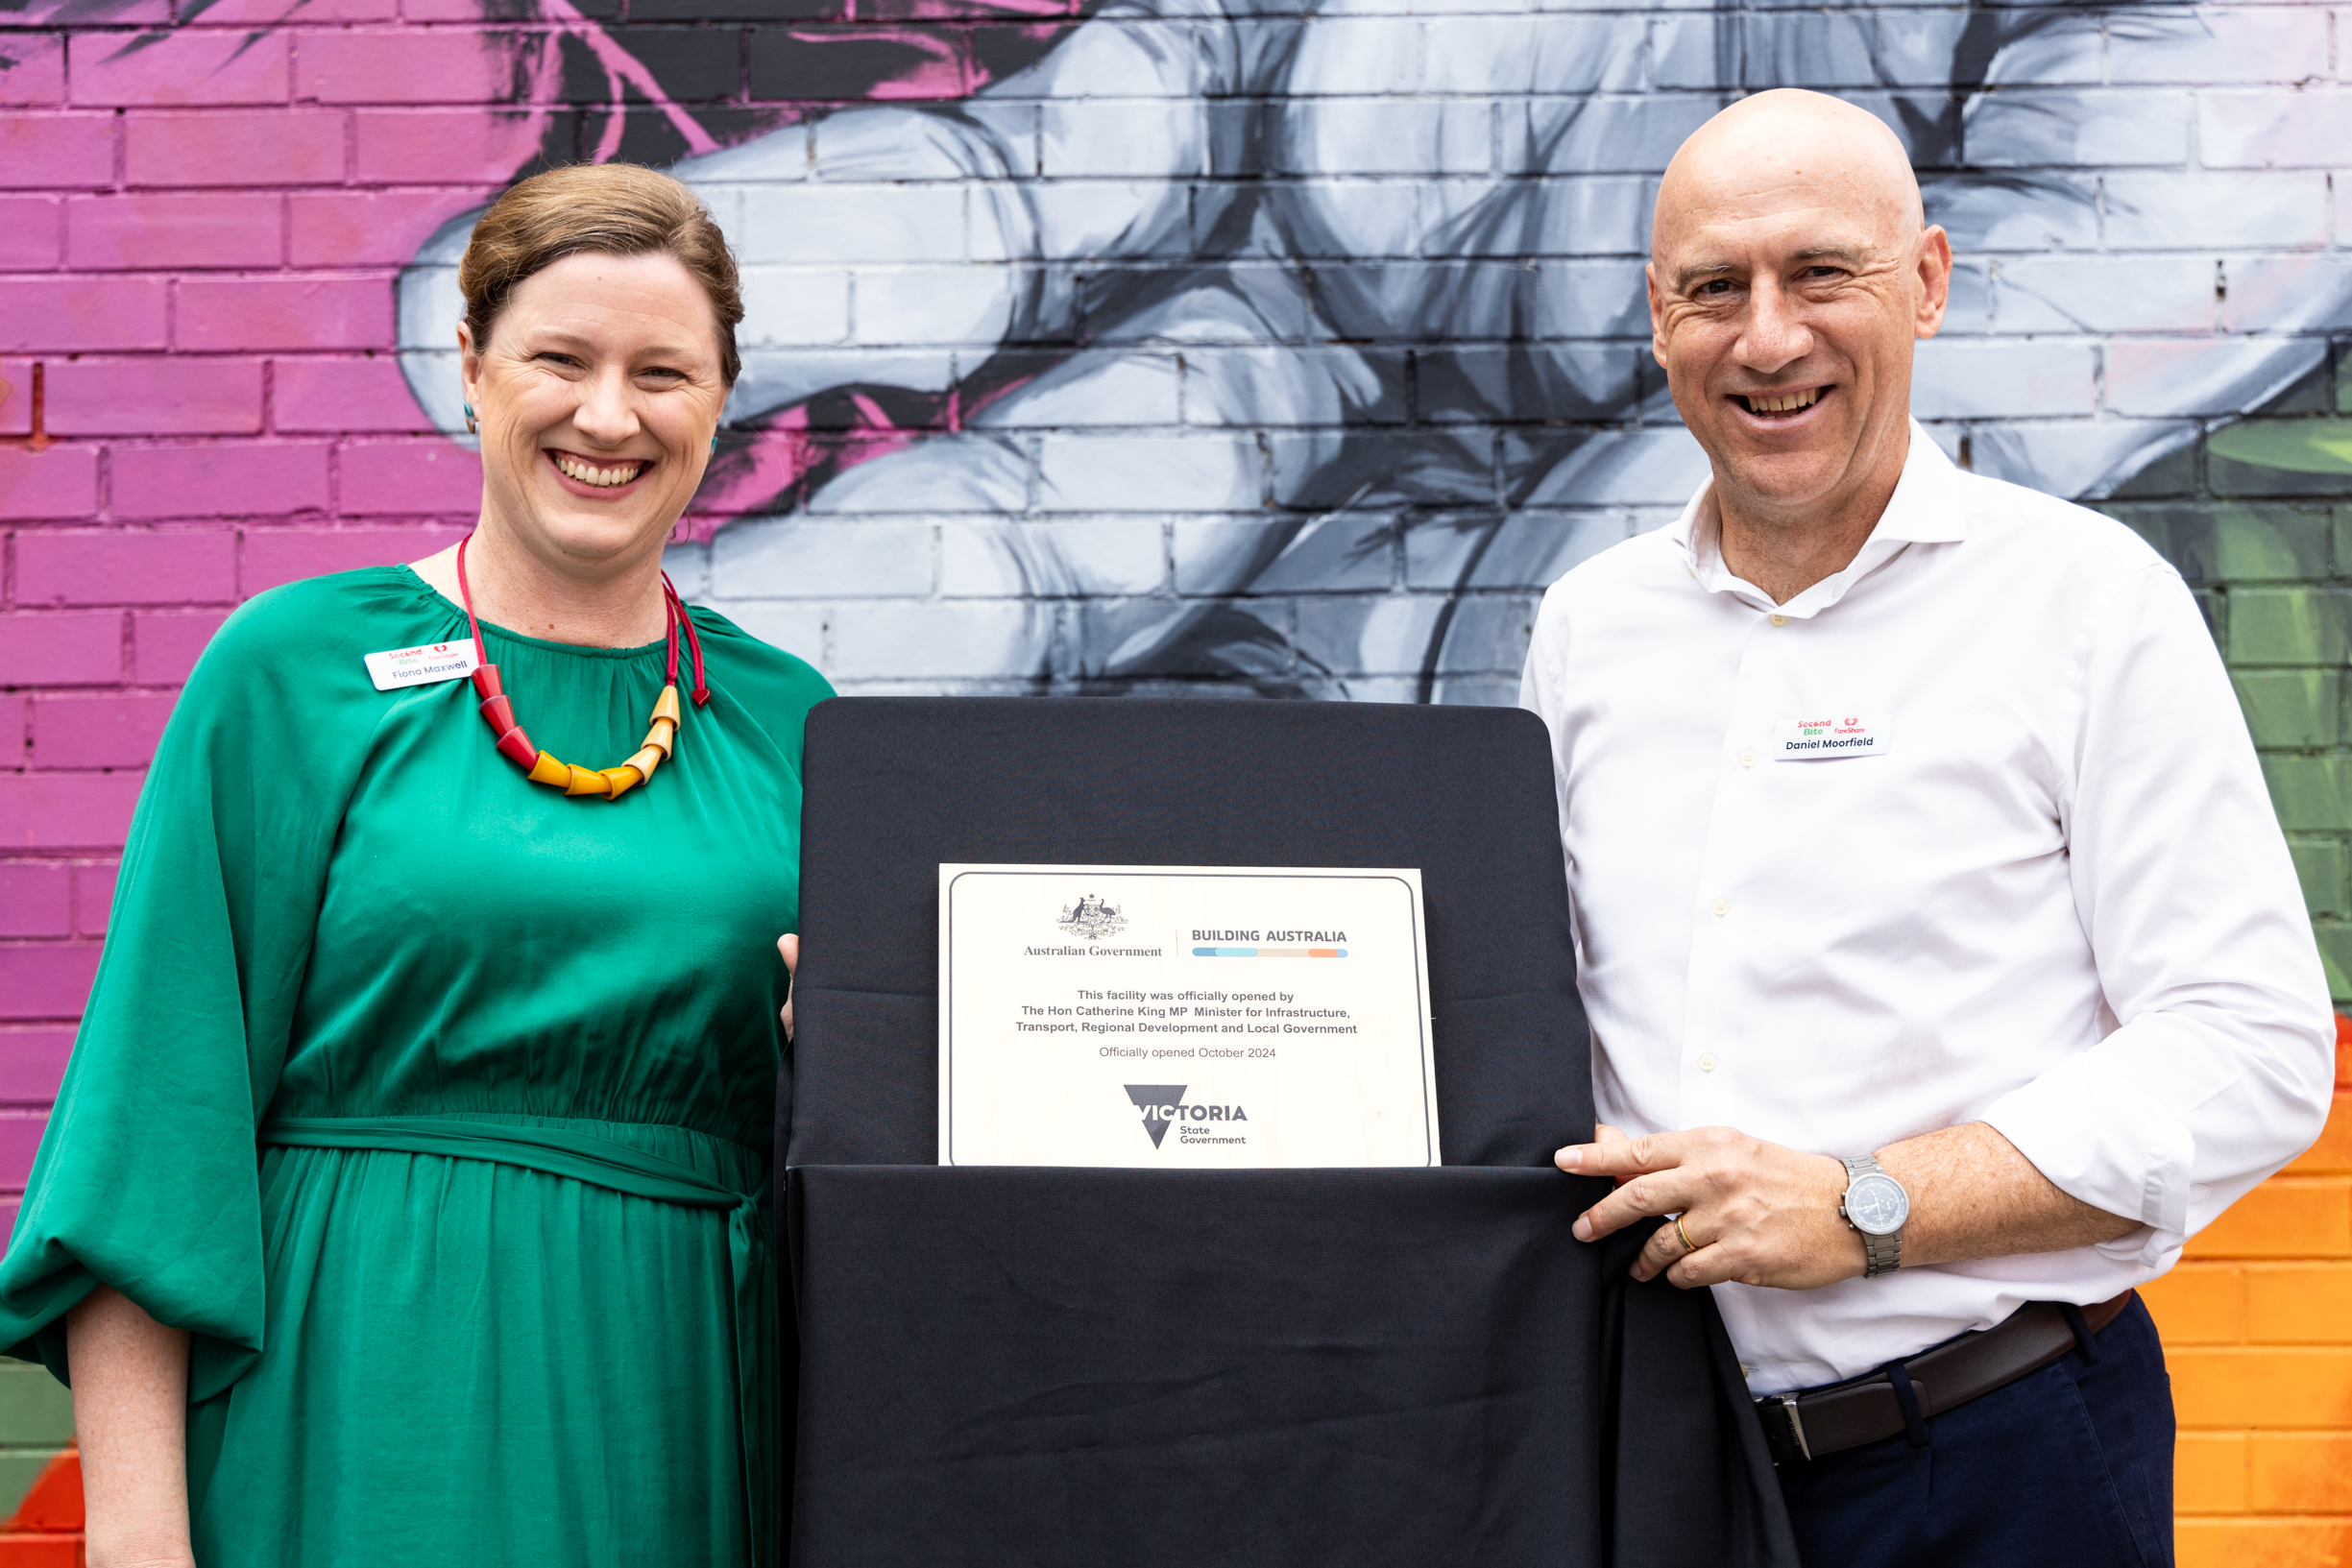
1946, 963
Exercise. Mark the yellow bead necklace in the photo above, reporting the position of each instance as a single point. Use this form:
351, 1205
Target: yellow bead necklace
545, 767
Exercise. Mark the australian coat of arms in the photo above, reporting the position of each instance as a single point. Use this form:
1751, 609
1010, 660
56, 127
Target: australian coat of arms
1091, 918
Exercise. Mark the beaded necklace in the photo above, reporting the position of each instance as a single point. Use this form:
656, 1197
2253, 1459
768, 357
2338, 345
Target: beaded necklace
612, 782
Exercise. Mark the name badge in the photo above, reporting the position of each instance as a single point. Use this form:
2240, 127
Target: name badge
1833, 734
397, 667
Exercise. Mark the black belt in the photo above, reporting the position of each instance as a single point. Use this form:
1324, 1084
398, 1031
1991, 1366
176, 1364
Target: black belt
1865, 1410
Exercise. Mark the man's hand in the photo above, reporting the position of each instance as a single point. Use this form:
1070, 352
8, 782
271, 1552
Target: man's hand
1755, 1213
789, 944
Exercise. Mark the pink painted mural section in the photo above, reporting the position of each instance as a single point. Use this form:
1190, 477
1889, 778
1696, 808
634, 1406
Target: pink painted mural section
204, 210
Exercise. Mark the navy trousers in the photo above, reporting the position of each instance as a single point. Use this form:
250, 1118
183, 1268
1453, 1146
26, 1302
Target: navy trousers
2070, 1468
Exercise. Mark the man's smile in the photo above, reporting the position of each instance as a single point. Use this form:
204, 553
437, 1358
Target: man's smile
1781, 404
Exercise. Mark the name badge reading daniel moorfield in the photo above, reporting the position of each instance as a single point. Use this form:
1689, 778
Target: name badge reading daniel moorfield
1185, 1016
1835, 734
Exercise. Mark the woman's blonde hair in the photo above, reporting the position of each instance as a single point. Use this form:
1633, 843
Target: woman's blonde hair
607, 208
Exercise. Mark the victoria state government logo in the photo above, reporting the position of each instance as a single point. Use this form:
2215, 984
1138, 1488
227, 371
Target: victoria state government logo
1091, 920
1163, 1105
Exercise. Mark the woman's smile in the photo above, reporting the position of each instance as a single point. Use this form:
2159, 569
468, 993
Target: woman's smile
598, 478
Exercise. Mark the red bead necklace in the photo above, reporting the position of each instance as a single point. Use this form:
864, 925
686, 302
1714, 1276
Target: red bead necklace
545, 767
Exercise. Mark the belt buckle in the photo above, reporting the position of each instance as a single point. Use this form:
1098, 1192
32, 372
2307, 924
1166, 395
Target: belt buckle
1786, 1405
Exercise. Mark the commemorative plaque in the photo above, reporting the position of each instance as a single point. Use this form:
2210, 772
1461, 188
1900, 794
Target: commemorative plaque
1187, 1016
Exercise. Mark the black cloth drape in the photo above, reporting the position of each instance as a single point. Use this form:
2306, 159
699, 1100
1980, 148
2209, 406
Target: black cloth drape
1135, 1368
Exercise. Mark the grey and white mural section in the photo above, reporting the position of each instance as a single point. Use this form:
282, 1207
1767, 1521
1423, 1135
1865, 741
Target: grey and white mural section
1180, 348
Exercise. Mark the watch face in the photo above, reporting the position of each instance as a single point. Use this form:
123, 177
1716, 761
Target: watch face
1877, 1205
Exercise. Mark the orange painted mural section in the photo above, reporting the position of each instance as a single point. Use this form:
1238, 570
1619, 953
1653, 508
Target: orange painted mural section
45, 1532
2257, 1324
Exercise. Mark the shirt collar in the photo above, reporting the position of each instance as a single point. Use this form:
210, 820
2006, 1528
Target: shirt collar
1925, 509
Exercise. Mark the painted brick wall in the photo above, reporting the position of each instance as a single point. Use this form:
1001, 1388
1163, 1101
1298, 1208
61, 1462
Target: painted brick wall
2258, 515
205, 207
2257, 1320
2257, 1323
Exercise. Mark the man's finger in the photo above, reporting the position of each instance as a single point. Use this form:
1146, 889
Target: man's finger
1607, 1134
1572, 1156
1667, 1191
1665, 1248
1662, 1252
1708, 1265
1614, 1154
788, 945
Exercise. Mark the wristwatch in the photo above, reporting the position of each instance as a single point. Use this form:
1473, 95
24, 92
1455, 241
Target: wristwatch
1875, 1205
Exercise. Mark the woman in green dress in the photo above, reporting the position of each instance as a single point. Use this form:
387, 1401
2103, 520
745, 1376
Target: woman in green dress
404, 1202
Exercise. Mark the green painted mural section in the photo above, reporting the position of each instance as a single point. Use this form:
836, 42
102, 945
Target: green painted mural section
36, 1419
2258, 516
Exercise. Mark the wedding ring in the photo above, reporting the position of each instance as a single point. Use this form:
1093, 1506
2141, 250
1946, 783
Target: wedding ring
1689, 1246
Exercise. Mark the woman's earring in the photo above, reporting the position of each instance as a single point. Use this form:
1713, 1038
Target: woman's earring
714, 443
472, 428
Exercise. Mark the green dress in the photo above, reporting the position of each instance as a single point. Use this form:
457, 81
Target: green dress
436, 1105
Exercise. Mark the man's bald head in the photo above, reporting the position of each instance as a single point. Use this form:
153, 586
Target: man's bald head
1790, 272
1786, 143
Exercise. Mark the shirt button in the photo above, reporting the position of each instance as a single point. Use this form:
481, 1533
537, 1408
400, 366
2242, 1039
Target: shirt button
1779, 620
1747, 759
1707, 1064
1722, 907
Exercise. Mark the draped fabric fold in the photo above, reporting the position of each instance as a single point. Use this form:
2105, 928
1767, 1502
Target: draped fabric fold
1071, 1366
1673, 1401
600, 1162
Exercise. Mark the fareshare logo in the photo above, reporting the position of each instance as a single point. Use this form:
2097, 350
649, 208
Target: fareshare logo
1164, 1103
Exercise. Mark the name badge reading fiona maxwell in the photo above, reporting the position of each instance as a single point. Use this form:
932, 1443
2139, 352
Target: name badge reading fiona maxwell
1828, 737
397, 667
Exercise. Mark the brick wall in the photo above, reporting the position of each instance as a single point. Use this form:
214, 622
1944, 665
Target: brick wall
41, 1474
2257, 1323
2257, 1320
1292, 355
2258, 516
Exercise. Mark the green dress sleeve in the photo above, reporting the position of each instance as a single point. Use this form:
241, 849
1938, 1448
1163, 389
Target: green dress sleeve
147, 1179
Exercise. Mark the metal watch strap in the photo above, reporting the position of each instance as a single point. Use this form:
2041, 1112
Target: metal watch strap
1881, 1254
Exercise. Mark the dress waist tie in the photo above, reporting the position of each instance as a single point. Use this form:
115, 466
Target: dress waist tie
600, 1162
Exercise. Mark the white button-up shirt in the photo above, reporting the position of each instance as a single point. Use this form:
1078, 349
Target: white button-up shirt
1970, 830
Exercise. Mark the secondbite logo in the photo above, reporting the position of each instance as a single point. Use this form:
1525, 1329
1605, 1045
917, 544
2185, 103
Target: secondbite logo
1163, 1105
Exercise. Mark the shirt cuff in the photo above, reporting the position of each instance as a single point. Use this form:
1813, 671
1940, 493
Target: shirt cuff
2105, 1134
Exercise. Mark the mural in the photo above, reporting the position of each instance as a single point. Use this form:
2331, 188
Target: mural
1207, 329
1265, 348
1112, 346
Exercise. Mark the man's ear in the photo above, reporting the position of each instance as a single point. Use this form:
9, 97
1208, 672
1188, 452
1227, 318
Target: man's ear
1658, 314
1935, 282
